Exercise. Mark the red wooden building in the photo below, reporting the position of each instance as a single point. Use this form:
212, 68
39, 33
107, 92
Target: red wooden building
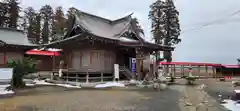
202, 69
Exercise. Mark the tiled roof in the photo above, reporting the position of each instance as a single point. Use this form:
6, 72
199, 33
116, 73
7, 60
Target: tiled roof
100, 26
14, 37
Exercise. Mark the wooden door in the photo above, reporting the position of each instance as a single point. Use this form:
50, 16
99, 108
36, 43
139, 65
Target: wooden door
76, 60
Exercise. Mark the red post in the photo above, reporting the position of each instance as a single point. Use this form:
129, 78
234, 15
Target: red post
4, 58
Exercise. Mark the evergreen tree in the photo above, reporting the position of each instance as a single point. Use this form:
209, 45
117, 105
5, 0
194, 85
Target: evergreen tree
3, 13
33, 24
59, 24
137, 27
30, 19
71, 11
69, 21
47, 16
37, 27
165, 25
13, 10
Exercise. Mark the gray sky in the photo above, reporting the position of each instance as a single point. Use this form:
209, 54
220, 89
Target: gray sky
216, 43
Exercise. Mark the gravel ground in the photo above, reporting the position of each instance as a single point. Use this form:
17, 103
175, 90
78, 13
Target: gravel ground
130, 99
215, 87
127, 99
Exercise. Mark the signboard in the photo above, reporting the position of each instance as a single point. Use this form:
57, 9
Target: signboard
116, 71
133, 64
6, 74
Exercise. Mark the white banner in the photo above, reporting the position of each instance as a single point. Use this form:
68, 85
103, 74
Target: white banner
116, 71
6, 74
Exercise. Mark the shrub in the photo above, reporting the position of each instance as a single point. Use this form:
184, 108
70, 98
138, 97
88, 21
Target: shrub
21, 68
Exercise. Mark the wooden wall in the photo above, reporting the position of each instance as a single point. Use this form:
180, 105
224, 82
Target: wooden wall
9, 56
91, 60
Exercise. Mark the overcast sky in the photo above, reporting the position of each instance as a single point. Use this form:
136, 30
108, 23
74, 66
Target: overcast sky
216, 43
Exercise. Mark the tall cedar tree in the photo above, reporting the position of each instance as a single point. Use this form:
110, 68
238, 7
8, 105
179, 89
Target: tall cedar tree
13, 13
33, 21
29, 15
69, 21
59, 24
165, 25
37, 27
137, 26
3, 13
47, 16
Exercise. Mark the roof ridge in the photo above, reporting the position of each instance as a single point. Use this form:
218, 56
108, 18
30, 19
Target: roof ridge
80, 11
100, 17
11, 29
124, 17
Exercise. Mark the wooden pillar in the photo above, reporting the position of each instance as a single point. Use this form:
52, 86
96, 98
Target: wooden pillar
53, 57
183, 67
4, 58
101, 77
181, 70
221, 71
76, 77
213, 72
199, 69
87, 78
206, 69
174, 69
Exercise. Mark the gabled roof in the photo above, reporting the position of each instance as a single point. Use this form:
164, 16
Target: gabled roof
14, 37
118, 31
101, 26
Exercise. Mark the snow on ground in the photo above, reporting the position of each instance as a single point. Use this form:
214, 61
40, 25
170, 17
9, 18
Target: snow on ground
3, 90
43, 82
110, 84
231, 105
67, 86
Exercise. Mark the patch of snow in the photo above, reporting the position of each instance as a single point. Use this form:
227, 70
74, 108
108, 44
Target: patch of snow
237, 91
231, 105
67, 86
30, 84
4, 86
54, 50
110, 84
3, 90
42, 82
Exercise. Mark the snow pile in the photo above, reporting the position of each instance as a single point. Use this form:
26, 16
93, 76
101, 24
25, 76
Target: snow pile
67, 86
237, 91
43, 82
231, 105
3, 90
110, 84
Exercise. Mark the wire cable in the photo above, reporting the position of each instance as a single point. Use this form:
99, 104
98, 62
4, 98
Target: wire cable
215, 22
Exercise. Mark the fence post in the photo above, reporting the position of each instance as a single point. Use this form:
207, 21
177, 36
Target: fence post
87, 77
101, 77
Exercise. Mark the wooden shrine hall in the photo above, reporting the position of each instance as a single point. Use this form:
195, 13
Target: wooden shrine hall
92, 45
